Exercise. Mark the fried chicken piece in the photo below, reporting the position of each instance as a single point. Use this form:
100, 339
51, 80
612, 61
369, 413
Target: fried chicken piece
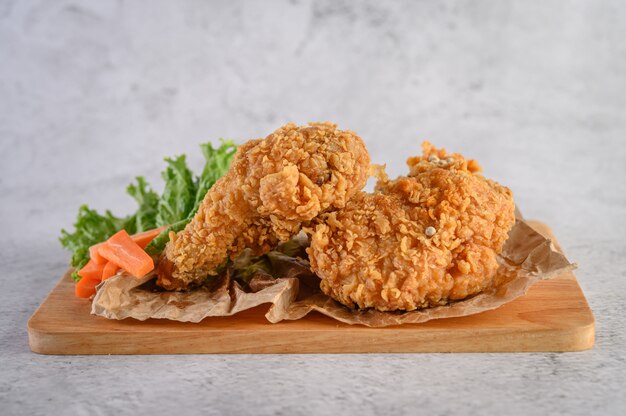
418, 241
274, 186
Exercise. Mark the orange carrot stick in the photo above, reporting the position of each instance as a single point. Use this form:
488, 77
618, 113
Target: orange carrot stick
143, 239
123, 251
110, 270
86, 287
91, 271
95, 255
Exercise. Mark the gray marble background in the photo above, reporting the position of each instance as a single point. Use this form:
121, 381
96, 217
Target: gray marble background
93, 93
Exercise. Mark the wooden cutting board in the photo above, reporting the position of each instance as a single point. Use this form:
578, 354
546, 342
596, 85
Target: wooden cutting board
553, 316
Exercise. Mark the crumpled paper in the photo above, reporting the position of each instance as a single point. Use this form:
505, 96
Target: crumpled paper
293, 290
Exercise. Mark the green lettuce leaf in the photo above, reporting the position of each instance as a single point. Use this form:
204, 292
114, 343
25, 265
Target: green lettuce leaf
179, 194
145, 217
287, 260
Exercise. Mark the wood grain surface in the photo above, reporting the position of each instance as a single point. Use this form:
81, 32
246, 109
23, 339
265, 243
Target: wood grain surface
552, 316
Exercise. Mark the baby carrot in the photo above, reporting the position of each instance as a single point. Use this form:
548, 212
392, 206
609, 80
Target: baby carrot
95, 255
123, 251
86, 287
91, 271
110, 270
143, 239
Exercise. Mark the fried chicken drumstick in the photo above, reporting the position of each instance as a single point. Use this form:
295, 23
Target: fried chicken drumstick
273, 187
418, 241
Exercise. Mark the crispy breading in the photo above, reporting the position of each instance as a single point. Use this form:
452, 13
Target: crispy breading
274, 186
381, 252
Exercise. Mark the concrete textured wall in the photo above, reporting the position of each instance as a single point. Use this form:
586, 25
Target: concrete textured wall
93, 93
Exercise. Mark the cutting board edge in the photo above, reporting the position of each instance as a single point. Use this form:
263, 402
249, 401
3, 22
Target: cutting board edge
571, 340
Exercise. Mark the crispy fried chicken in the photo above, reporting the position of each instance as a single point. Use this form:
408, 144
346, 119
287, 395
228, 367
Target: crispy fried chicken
419, 241
274, 186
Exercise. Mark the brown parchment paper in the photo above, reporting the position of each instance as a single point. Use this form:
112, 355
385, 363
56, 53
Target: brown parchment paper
293, 291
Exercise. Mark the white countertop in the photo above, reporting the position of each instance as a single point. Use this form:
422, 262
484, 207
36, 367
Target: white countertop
93, 94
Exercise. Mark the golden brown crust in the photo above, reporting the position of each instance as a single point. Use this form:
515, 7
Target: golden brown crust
273, 186
377, 252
